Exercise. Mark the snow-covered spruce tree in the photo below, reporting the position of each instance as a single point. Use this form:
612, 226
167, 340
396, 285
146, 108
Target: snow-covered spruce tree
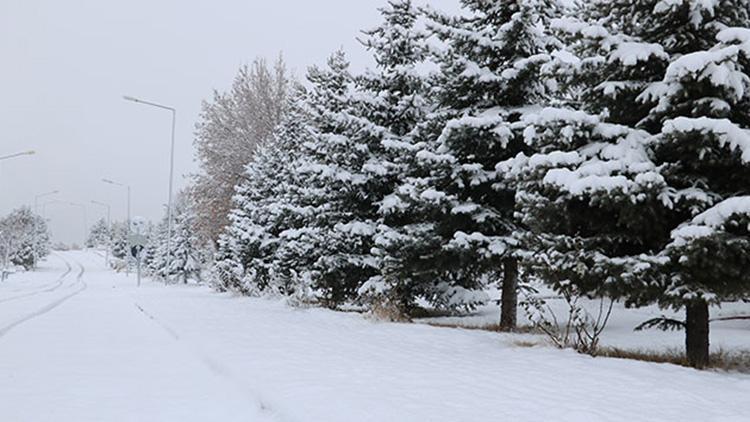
148, 231
457, 227
240, 263
120, 240
151, 253
256, 252
157, 254
362, 160
186, 258
703, 150
601, 71
285, 234
99, 235
620, 48
182, 259
601, 205
588, 194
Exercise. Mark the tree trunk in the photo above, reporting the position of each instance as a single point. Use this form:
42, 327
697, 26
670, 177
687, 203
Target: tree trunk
509, 297
696, 333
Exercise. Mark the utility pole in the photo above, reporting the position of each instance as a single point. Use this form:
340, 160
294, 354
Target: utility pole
171, 172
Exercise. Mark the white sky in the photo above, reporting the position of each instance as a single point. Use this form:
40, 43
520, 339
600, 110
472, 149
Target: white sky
64, 66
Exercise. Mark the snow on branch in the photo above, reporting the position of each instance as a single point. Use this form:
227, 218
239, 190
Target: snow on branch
727, 133
711, 220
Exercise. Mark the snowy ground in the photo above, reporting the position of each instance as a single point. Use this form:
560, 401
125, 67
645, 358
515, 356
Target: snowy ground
731, 336
80, 343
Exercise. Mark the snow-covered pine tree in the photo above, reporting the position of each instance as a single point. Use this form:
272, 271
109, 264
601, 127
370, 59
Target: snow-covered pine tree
99, 235
265, 248
150, 255
364, 159
120, 240
456, 213
601, 209
186, 260
602, 71
703, 150
585, 195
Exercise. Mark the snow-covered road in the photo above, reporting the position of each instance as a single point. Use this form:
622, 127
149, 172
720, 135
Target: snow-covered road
75, 347
81, 343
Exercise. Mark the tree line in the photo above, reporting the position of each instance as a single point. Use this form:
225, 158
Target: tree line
599, 149
181, 262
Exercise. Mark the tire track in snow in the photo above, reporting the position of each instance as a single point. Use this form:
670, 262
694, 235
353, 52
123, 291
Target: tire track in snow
50, 306
46, 288
215, 367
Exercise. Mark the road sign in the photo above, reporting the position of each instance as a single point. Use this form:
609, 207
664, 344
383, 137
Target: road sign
137, 242
135, 251
137, 239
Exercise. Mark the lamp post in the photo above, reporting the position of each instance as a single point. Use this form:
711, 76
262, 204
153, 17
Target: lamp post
171, 170
18, 154
109, 230
112, 182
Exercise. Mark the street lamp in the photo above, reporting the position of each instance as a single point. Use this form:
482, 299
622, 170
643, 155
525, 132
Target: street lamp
109, 230
112, 182
171, 170
42, 195
18, 154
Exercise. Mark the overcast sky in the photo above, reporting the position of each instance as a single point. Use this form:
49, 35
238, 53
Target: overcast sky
66, 64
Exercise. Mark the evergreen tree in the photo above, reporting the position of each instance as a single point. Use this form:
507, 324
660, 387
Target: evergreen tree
603, 199
703, 150
386, 106
265, 210
454, 212
150, 254
24, 238
313, 226
120, 240
99, 234
186, 260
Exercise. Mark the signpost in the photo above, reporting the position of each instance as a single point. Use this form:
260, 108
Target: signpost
137, 242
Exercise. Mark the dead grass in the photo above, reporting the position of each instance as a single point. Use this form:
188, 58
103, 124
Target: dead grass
384, 311
525, 329
722, 360
525, 343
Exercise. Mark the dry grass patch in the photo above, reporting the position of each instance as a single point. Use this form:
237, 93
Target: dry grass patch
496, 328
736, 361
525, 343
